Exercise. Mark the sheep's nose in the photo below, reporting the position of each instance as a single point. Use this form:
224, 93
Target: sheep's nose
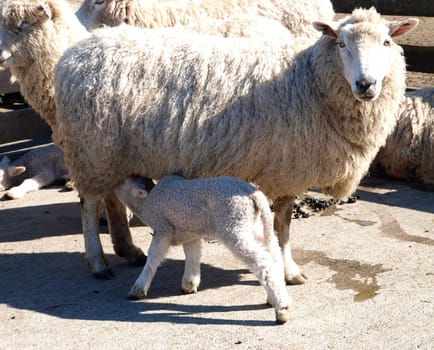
363, 85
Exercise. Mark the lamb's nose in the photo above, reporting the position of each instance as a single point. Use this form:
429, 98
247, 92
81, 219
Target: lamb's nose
364, 85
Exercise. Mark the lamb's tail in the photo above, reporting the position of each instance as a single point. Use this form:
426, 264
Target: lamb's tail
262, 209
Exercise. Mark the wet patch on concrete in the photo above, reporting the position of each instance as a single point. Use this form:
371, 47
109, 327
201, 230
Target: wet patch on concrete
391, 228
349, 274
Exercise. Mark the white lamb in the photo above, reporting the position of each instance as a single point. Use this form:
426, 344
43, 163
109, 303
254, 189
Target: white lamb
409, 150
296, 15
182, 211
207, 106
35, 169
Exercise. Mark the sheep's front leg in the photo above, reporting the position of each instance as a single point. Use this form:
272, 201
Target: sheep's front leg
157, 251
120, 232
94, 252
283, 207
191, 277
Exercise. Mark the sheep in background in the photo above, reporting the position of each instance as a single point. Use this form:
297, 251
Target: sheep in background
35, 169
182, 211
33, 36
409, 150
206, 106
295, 15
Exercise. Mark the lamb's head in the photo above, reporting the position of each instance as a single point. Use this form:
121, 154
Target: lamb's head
133, 191
95, 13
366, 49
7, 172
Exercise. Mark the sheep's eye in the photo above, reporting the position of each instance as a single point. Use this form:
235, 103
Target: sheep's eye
341, 44
386, 42
99, 2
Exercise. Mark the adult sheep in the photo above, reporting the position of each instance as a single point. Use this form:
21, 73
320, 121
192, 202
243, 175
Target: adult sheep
296, 15
409, 150
206, 106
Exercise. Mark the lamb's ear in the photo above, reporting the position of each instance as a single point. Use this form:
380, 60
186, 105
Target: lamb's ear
16, 170
329, 29
402, 27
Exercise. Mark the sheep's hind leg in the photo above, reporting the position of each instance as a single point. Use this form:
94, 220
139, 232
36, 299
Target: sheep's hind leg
283, 207
191, 277
94, 252
120, 232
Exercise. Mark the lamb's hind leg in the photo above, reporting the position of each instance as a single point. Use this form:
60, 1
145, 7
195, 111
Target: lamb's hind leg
264, 266
120, 232
283, 207
191, 277
94, 252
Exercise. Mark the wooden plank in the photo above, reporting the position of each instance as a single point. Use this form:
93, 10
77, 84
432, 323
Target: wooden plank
419, 58
21, 124
389, 7
5, 86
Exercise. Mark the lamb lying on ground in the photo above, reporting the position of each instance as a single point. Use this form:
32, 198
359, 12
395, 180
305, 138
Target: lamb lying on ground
182, 211
206, 106
409, 150
35, 169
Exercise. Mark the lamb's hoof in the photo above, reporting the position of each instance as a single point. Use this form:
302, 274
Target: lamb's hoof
14, 195
136, 294
106, 274
298, 279
189, 288
283, 315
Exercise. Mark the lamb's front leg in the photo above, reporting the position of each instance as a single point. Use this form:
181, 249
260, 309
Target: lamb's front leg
120, 232
191, 277
94, 252
157, 251
283, 207
28, 185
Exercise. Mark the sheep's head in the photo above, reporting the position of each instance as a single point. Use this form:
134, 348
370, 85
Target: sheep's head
366, 49
7, 172
95, 13
20, 23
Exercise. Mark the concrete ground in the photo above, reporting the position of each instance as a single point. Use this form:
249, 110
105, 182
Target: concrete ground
370, 267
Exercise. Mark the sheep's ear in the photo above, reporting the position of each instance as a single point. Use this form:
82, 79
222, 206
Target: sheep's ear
44, 11
402, 27
16, 170
329, 29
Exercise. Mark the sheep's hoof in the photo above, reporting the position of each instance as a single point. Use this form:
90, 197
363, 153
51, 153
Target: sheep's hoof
298, 279
283, 315
134, 255
106, 274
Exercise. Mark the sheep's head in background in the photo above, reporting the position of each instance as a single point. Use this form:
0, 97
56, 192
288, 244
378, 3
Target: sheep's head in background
365, 49
18, 19
93, 13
